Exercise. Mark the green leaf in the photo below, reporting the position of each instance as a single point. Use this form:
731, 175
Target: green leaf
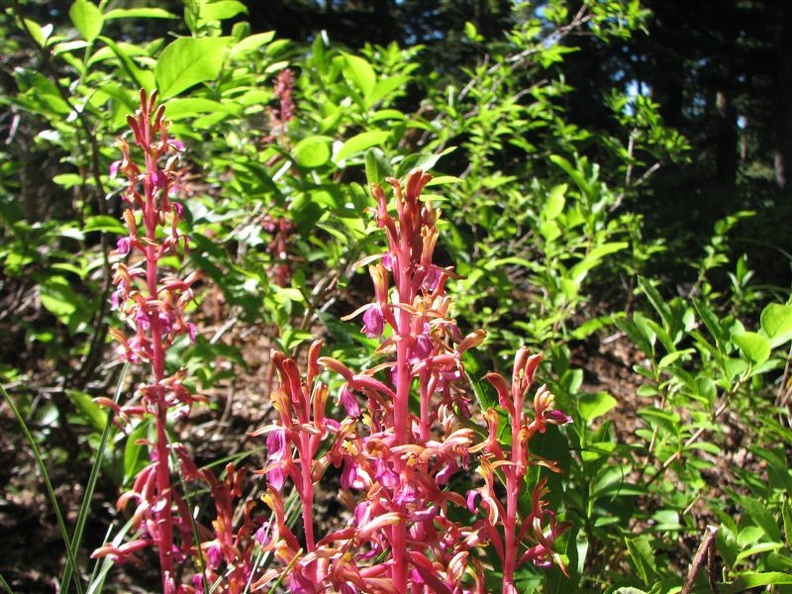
88, 409
139, 13
142, 78
377, 166
786, 514
754, 346
593, 258
189, 61
251, 43
39, 34
556, 200
642, 557
104, 223
221, 10
657, 301
472, 33
360, 143
181, 108
87, 18
313, 151
592, 406
762, 517
777, 323
385, 87
59, 298
360, 73
425, 161
135, 453
573, 173
68, 180
711, 321
754, 580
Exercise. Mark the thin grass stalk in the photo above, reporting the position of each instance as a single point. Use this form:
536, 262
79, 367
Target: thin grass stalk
93, 477
50, 490
100, 570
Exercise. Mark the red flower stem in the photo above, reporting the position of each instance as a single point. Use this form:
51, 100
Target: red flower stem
307, 495
514, 475
151, 219
401, 405
401, 419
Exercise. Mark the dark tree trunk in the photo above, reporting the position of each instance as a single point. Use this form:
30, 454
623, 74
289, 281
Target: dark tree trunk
783, 160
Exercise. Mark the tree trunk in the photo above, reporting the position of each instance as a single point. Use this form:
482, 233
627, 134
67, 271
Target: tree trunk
783, 157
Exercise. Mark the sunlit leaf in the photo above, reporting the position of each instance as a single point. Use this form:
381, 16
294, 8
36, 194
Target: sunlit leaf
188, 61
87, 18
359, 143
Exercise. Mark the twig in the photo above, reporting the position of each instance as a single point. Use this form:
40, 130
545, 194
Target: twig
705, 548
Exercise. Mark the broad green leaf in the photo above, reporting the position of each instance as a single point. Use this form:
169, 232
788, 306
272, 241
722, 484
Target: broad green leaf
58, 297
758, 549
68, 180
657, 301
142, 78
360, 143
642, 557
139, 13
754, 346
733, 367
646, 328
550, 231
222, 10
360, 73
104, 223
593, 258
747, 580
573, 173
672, 357
425, 161
87, 18
556, 200
592, 406
251, 43
39, 34
711, 321
385, 87
313, 151
188, 61
88, 409
471, 32
180, 108
762, 517
777, 323
377, 166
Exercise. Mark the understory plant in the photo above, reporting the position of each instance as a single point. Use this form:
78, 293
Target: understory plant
406, 432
